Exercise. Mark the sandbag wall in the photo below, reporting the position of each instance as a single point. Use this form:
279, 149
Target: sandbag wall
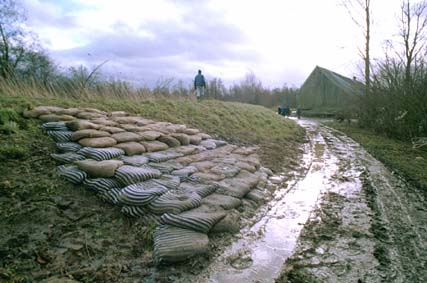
180, 178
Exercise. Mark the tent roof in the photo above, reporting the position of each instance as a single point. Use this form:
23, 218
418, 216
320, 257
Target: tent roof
347, 84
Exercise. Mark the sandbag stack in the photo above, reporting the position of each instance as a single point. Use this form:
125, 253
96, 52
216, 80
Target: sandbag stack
188, 183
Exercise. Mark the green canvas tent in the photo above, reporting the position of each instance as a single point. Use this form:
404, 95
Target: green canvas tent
327, 91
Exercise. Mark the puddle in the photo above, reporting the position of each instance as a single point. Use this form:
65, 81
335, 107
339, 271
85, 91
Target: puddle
259, 254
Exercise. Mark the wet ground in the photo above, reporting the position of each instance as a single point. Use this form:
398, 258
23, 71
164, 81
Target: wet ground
343, 217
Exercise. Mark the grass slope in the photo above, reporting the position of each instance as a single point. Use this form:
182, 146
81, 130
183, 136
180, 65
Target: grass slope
52, 229
399, 156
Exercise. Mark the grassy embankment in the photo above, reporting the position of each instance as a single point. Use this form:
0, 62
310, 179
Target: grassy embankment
49, 227
399, 156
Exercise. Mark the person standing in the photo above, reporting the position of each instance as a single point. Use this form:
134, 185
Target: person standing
199, 85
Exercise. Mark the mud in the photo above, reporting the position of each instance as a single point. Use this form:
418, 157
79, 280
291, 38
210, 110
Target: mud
368, 227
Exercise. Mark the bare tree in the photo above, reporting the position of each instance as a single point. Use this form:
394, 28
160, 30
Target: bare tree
413, 30
11, 37
352, 7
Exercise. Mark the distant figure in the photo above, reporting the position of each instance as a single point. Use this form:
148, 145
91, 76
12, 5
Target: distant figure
299, 112
199, 85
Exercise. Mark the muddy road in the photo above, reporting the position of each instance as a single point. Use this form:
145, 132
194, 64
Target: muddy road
343, 217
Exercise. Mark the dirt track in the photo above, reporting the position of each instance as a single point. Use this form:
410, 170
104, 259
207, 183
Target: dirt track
369, 226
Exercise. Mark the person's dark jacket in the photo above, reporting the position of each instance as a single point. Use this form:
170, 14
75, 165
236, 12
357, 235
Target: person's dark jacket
199, 80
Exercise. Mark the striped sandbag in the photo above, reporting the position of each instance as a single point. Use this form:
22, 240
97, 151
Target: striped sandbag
60, 136
101, 184
167, 167
68, 146
197, 221
150, 218
128, 175
54, 126
72, 174
67, 157
161, 156
110, 196
173, 244
202, 190
134, 211
138, 194
171, 202
100, 154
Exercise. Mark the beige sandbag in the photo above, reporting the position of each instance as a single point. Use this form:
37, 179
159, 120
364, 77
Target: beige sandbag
119, 114
175, 128
81, 125
126, 137
55, 118
149, 135
245, 150
143, 122
98, 142
131, 148
186, 149
195, 139
190, 131
105, 122
169, 140
41, 110
88, 133
246, 166
89, 115
152, 146
69, 111
105, 168
112, 130
131, 127
127, 119
203, 166
183, 138
204, 136
229, 224
208, 177
219, 201
94, 110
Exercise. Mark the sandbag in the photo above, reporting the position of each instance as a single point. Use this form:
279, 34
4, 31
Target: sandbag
101, 184
131, 148
174, 202
112, 130
128, 175
202, 190
101, 153
60, 136
81, 125
222, 201
40, 110
225, 169
105, 168
168, 181
67, 157
203, 166
88, 133
139, 195
193, 220
126, 137
245, 150
229, 224
207, 177
135, 160
154, 146
55, 118
110, 196
89, 115
204, 136
167, 166
149, 135
68, 111
98, 142
190, 131
173, 244
169, 140
104, 122
119, 114
68, 146
161, 156
185, 172
54, 126
182, 138
209, 144
258, 196
72, 174
195, 139
186, 150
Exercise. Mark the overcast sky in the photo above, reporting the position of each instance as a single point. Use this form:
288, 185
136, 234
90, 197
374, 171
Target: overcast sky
146, 41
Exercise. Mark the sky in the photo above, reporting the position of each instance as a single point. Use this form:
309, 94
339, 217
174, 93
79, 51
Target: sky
149, 41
